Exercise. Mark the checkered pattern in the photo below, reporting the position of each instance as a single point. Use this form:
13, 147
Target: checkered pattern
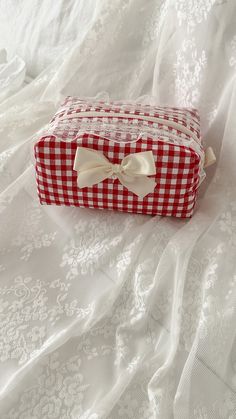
177, 173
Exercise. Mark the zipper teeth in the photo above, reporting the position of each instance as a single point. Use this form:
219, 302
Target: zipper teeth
186, 114
163, 121
177, 111
160, 111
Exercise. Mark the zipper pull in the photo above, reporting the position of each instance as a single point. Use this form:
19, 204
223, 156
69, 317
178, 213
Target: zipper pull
210, 157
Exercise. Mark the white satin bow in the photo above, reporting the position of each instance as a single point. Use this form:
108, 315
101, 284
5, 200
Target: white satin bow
93, 167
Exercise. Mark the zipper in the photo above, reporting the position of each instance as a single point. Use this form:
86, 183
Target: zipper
95, 114
143, 108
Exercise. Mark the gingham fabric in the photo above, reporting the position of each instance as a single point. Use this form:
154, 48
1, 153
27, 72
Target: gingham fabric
177, 166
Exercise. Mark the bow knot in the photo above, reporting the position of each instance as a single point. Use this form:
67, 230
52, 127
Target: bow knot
133, 171
117, 168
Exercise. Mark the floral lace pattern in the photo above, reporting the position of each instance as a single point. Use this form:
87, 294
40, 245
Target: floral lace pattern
120, 316
194, 12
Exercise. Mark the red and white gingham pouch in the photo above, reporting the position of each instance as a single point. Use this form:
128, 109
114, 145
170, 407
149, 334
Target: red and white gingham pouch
113, 131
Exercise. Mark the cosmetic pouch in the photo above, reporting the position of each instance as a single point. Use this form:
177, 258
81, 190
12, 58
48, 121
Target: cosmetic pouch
122, 156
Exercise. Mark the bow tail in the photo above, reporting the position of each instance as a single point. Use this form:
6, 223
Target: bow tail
92, 176
139, 185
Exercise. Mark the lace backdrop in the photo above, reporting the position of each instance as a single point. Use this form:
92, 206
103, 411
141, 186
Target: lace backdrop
108, 315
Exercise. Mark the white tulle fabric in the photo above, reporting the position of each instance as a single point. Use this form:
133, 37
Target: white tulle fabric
12, 74
110, 315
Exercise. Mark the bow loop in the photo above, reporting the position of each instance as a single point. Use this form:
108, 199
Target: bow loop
93, 167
